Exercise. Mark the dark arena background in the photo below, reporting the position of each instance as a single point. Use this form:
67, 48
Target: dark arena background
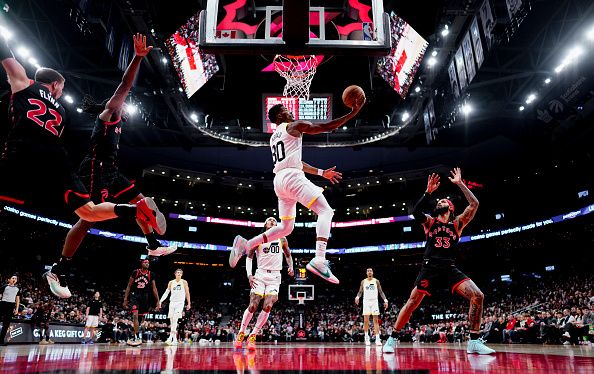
502, 89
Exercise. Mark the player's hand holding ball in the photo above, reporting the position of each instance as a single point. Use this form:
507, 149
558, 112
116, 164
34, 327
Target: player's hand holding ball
354, 98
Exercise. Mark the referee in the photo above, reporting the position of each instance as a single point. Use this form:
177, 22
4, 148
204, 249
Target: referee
9, 305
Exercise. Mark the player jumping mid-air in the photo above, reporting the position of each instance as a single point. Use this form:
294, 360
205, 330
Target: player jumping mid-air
291, 186
370, 288
99, 169
179, 292
265, 284
34, 164
443, 231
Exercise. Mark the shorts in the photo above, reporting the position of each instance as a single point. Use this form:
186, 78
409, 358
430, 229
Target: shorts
40, 178
292, 187
432, 277
370, 308
106, 183
267, 282
175, 310
139, 303
92, 321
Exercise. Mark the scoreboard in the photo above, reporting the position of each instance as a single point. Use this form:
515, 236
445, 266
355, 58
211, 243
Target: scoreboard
317, 109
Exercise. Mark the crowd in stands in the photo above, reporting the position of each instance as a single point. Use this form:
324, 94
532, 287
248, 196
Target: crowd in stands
554, 309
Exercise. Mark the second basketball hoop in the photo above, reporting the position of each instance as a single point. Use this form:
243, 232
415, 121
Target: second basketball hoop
298, 71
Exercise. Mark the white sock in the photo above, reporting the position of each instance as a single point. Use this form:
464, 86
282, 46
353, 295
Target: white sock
366, 334
245, 321
321, 248
262, 318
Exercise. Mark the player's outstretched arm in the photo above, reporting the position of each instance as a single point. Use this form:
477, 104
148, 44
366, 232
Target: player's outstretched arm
288, 258
127, 293
473, 203
381, 293
187, 288
432, 185
331, 174
17, 76
359, 293
116, 103
156, 293
166, 293
305, 127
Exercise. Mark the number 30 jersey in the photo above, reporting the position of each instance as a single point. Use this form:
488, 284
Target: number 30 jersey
35, 117
270, 256
286, 150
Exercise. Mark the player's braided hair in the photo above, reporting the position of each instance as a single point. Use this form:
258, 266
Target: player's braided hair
89, 105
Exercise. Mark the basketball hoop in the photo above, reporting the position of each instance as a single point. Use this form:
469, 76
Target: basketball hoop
298, 72
301, 300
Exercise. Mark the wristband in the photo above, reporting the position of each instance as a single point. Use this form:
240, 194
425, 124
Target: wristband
320, 172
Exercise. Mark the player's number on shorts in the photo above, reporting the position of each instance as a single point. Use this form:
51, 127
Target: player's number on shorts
442, 243
49, 125
278, 152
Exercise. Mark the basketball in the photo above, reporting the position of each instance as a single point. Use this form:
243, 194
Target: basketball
351, 95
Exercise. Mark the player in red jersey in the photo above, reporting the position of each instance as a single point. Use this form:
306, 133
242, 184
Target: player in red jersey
443, 232
34, 166
99, 169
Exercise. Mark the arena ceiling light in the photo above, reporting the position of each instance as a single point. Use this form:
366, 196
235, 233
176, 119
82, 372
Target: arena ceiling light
445, 31
417, 89
530, 98
6, 33
466, 109
79, 110
434, 53
23, 52
431, 61
164, 60
69, 99
131, 109
194, 117
521, 108
405, 116
572, 55
547, 81
590, 34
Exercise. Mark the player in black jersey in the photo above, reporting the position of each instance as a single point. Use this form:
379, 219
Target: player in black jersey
34, 166
99, 169
443, 232
139, 283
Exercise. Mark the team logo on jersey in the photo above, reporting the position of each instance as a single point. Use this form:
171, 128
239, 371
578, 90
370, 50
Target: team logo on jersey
104, 194
370, 287
272, 248
177, 287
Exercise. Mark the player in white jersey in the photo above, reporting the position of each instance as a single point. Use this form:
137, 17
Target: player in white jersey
370, 288
291, 186
265, 284
179, 291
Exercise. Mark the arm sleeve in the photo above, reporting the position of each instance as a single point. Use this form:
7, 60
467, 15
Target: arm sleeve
419, 206
165, 294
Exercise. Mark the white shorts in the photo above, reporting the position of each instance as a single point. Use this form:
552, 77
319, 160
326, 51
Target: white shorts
92, 321
292, 187
371, 308
266, 283
175, 310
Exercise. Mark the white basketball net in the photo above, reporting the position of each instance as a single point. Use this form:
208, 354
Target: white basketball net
301, 300
298, 71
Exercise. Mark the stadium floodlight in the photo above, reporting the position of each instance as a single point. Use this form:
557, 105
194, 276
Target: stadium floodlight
530, 98
131, 109
434, 53
69, 99
431, 61
445, 31
80, 111
164, 60
23, 52
571, 56
194, 117
405, 116
6, 33
521, 108
466, 109
417, 89
547, 81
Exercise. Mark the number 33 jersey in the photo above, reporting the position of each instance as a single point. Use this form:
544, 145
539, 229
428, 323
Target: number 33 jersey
270, 256
35, 116
442, 240
286, 149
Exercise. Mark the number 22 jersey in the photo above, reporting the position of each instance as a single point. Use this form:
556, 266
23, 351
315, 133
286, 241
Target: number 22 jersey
36, 117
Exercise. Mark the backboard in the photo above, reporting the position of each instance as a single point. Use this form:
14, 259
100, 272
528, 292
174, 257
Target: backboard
335, 27
306, 291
